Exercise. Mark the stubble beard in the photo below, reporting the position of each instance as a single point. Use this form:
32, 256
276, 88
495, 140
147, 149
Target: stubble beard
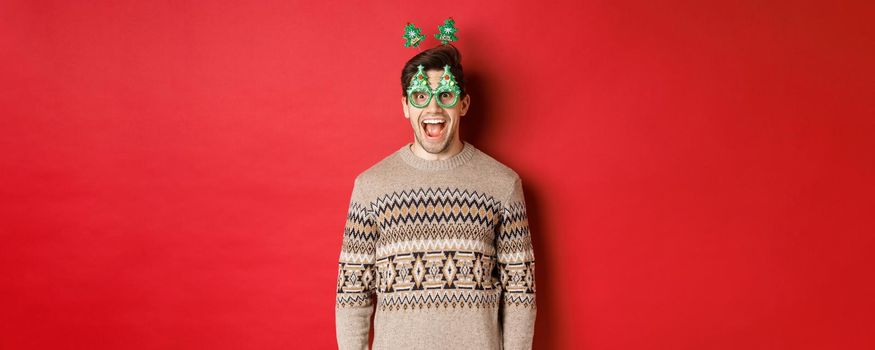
434, 148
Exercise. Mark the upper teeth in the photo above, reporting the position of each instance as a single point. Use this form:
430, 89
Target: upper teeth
433, 121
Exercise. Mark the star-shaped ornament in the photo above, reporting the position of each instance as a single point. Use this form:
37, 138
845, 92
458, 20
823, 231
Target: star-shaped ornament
412, 36
447, 31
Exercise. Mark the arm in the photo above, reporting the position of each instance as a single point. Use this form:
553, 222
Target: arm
356, 276
516, 267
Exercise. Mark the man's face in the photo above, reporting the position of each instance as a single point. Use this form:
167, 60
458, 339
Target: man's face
435, 128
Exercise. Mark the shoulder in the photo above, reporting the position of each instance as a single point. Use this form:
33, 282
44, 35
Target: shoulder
495, 169
504, 181
377, 172
369, 183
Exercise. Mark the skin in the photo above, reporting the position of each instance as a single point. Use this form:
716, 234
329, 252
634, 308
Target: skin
450, 143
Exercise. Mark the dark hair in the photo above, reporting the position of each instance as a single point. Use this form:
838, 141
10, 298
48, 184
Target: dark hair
435, 58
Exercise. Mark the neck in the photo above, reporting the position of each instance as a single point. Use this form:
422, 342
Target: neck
454, 148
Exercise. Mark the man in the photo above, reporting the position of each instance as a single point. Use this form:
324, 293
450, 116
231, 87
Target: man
437, 233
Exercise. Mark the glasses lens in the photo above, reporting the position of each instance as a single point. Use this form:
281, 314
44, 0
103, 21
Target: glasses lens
418, 98
448, 99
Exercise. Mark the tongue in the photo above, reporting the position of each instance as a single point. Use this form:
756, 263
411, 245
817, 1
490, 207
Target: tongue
433, 130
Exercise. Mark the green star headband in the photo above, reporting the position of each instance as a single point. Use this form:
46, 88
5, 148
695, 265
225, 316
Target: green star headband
419, 93
446, 33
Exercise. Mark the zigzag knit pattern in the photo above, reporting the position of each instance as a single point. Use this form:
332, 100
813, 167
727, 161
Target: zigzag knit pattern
435, 238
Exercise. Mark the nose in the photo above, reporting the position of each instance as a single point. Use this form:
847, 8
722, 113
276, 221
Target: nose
433, 105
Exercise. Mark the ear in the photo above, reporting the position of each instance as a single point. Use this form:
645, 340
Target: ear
404, 107
466, 102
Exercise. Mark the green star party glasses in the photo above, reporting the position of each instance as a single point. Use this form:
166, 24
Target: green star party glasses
419, 93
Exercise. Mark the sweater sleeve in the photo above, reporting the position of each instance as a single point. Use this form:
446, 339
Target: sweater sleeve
354, 304
516, 267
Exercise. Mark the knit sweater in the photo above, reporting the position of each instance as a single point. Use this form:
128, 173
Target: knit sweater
441, 250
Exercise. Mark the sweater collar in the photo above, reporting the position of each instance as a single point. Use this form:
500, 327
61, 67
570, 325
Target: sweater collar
456, 160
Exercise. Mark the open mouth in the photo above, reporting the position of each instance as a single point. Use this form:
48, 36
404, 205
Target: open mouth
434, 128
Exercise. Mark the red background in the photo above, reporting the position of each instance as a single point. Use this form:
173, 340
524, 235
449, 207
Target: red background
175, 174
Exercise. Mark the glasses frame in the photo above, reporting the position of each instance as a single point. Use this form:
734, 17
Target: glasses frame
431, 93
419, 83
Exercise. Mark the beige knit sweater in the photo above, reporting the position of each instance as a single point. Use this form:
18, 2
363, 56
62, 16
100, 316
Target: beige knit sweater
441, 250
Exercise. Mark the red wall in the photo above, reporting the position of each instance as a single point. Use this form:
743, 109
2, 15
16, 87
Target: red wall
175, 174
